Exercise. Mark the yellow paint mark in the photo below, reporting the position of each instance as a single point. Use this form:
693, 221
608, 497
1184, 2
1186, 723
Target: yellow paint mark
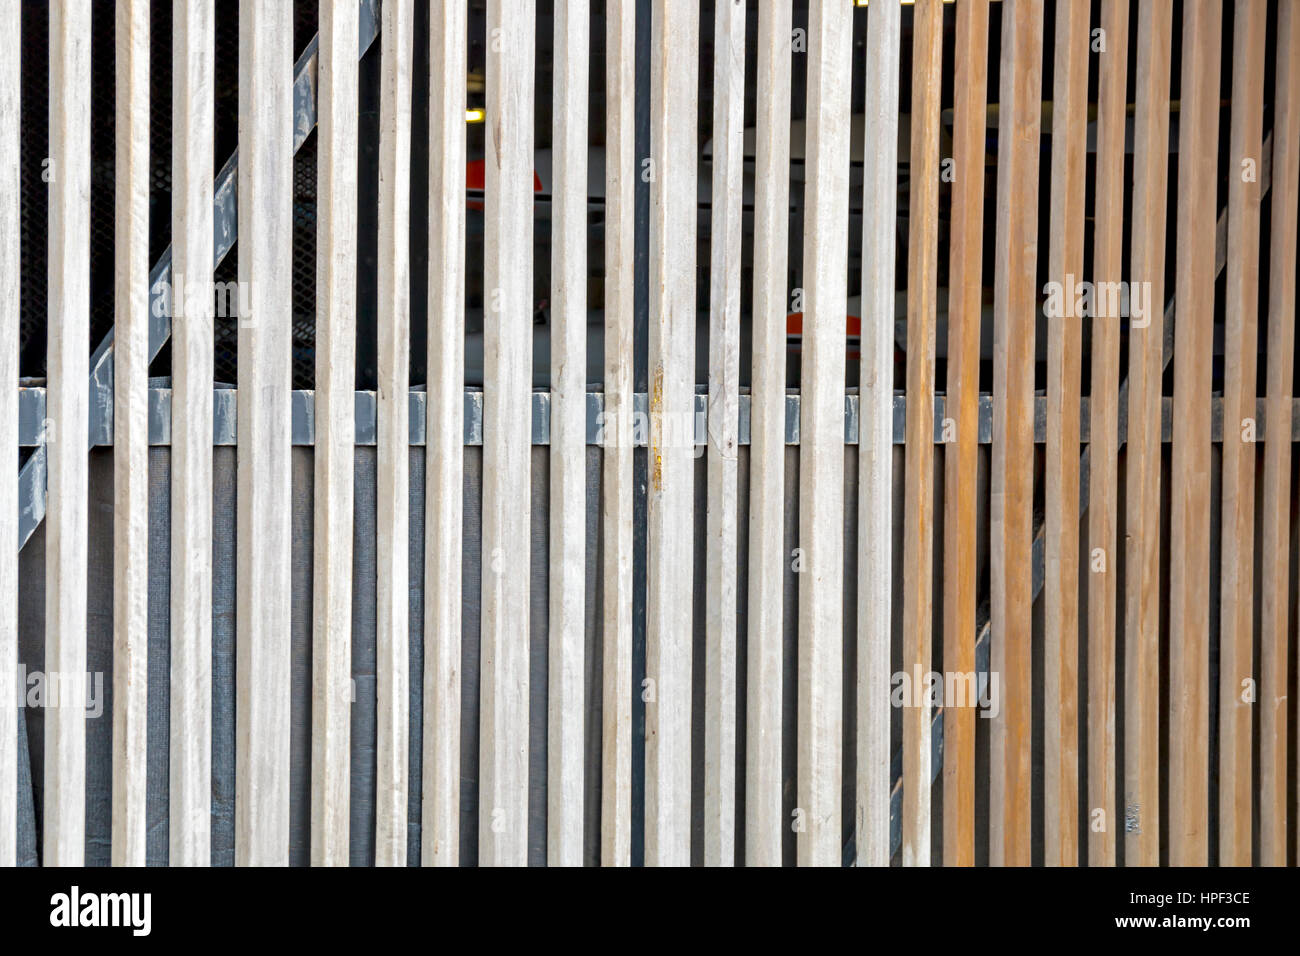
656, 428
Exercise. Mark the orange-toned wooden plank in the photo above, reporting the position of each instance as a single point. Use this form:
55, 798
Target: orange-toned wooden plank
1011, 513
1061, 569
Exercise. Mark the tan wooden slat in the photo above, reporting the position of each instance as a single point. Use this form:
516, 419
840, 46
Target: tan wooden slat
723, 436
336, 333
961, 458
1103, 433
876, 445
621, 168
918, 494
675, 34
392, 482
10, 116
444, 449
1061, 569
1189, 492
508, 282
568, 480
264, 354
131, 447
764, 821
1274, 626
1241, 332
821, 428
66, 426
1142, 455
1011, 513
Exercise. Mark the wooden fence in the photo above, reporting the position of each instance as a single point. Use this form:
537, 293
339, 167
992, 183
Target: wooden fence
704, 659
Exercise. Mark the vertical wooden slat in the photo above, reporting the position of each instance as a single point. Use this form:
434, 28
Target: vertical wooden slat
918, 494
1275, 551
508, 284
66, 427
336, 333
764, 823
190, 760
621, 168
876, 444
1011, 513
821, 436
1103, 433
392, 492
674, 73
263, 484
1142, 456
568, 559
444, 451
1061, 569
1236, 637
723, 436
10, 86
131, 439
961, 458
1189, 492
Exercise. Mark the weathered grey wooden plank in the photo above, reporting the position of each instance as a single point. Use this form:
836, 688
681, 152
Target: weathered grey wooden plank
444, 452
875, 447
264, 509
723, 436
131, 446
508, 281
189, 763
392, 491
66, 425
615, 432
336, 252
821, 449
10, 117
764, 821
568, 559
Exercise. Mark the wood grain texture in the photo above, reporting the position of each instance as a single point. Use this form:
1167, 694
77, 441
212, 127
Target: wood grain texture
1061, 494
444, 449
1274, 625
65, 430
1143, 454
392, 477
508, 282
1189, 492
616, 477
918, 492
764, 820
1103, 432
674, 73
262, 677
961, 457
876, 441
10, 232
190, 760
336, 335
1012, 486
1241, 334
722, 557
131, 452
821, 445
568, 480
